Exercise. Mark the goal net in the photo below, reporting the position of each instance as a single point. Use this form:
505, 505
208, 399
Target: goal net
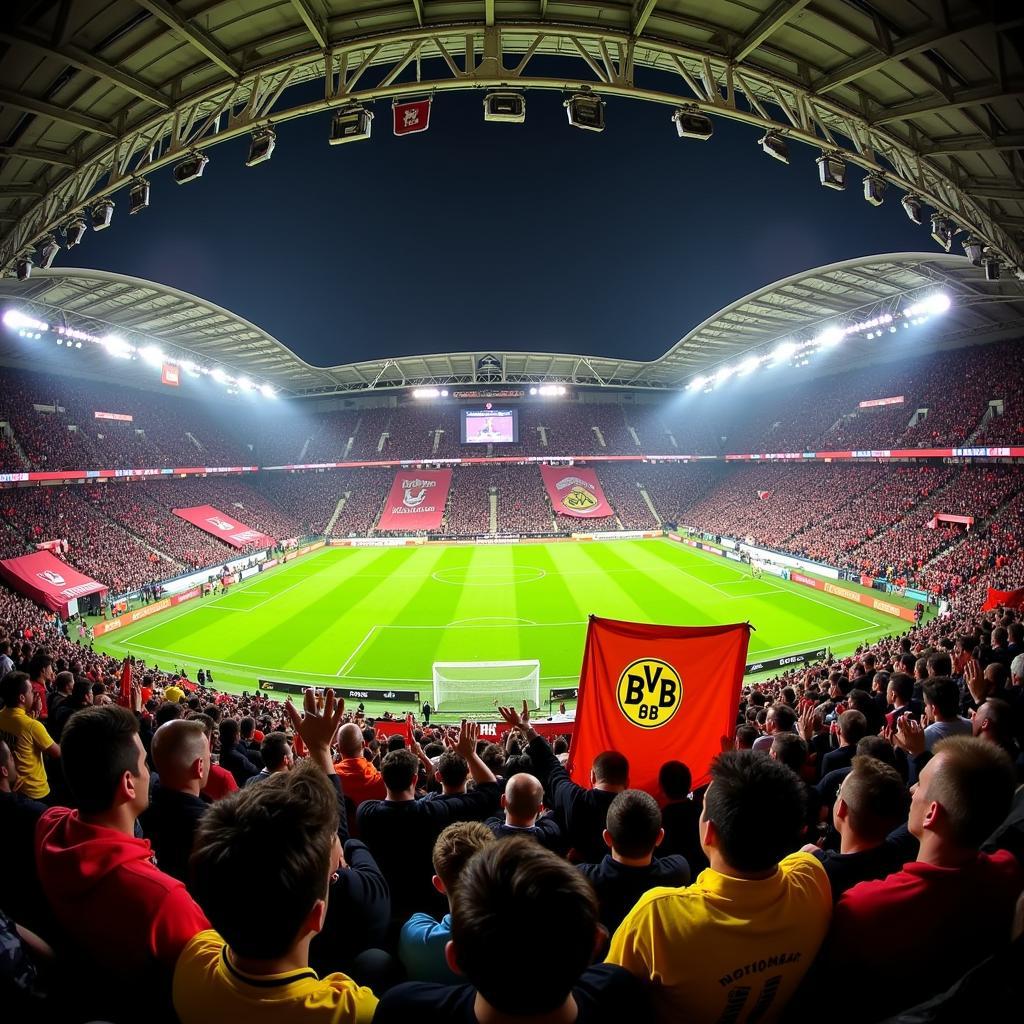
480, 685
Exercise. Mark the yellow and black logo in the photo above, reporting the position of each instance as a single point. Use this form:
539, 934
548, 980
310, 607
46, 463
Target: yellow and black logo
649, 692
579, 499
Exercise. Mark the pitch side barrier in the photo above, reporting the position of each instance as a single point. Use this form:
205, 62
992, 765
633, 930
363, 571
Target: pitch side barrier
396, 696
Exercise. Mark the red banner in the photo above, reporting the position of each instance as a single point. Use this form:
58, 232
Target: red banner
221, 525
657, 694
967, 521
48, 581
494, 731
411, 117
873, 402
417, 500
170, 374
1005, 598
122, 416
575, 492
56, 547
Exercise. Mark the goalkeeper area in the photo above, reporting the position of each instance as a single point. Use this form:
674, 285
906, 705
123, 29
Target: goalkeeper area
381, 619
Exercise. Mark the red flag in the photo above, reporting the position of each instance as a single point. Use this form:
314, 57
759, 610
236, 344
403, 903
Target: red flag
657, 694
1006, 598
764, 494
411, 117
125, 698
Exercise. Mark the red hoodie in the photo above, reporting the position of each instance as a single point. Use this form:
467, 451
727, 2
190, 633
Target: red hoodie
109, 896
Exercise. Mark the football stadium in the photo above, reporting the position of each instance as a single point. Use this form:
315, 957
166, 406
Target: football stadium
472, 462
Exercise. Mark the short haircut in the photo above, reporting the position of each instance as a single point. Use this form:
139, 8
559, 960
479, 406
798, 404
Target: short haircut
205, 721
12, 686
876, 798
167, 713
757, 806
397, 742
852, 726
63, 681
675, 780
228, 730
939, 664
494, 757
944, 695
516, 764
785, 717
877, 747
246, 727
274, 839
612, 768
97, 747
276, 746
453, 769
634, 820
399, 769
39, 663
453, 848
790, 749
503, 892
902, 686
560, 746
746, 735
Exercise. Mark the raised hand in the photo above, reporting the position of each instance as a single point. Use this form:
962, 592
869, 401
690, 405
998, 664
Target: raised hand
316, 727
469, 733
972, 677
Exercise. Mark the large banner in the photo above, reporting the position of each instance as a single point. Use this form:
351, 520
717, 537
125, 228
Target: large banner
48, 581
1003, 598
221, 525
657, 694
575, 492
417, 500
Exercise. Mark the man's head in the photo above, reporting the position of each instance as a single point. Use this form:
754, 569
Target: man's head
675, 780
40, 668
993, 721
522, 800
350, 740
746, 736
228, 732
64, 683
8, 769
942, 698
852, 726
452, 772
104, 761
939, 664
781, 718
399, 770
633, 828
610, 771
16, 691
453, 848
871, 802
754, 811
901, 689
278, 839
790, 749
181, 755
962, 794
276, 752
503, 892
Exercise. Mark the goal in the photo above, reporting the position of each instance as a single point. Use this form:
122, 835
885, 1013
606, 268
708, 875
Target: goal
480, 685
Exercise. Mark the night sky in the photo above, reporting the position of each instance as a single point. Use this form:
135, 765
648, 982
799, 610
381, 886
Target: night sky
493, 236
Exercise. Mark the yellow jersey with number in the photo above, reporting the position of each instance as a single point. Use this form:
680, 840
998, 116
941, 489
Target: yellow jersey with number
727, 949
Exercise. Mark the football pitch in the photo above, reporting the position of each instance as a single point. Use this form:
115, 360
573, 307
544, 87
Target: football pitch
373, 618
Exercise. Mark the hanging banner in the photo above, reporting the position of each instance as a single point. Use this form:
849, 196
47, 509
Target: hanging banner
170, 375
416, 501
967, 521
411, 117
575, 492
221, 525
48, 581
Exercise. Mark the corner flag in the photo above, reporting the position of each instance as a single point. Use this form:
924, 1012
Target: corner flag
657, 694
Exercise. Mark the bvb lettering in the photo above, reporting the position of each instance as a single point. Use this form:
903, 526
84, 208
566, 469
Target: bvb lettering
649, 692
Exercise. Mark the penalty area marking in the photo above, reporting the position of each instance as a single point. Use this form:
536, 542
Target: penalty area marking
515, 576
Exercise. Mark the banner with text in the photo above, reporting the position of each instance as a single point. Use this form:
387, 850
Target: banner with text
48, 581
417, 500
221, 525
575, 492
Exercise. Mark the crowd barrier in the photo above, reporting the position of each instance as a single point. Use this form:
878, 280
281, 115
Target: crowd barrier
875, 603
494, 731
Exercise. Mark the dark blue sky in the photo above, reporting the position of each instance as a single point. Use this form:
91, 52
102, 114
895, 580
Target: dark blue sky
481, 236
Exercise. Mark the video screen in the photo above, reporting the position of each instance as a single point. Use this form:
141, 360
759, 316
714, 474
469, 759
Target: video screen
490, 426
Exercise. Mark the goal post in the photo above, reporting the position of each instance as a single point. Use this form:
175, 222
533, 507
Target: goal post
480, 685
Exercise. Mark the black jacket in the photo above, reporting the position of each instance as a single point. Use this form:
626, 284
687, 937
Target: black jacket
619, 886
169, 823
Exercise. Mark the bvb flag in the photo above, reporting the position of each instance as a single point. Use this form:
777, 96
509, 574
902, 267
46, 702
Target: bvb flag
657, 694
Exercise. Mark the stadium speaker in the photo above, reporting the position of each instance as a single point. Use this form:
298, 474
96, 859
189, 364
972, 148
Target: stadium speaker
912, 208
692, 124
23, 267
102, 214
74, 231
350, 124
775, 146
138, 196
832, 171
991, 268
874, 189
973, 249
261, 146
586, 111
505, 106
48, 252
942, 230
190, 168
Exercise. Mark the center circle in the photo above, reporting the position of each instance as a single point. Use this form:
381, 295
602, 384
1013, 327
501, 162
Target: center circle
471, 576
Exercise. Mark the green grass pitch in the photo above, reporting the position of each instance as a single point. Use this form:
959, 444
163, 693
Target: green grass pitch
380, 617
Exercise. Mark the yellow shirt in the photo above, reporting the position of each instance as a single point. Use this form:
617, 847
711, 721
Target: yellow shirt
207, 987
27, 739
726, 948
174, 694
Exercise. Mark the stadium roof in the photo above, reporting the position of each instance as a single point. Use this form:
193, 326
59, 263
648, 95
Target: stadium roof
927, 93
799, 306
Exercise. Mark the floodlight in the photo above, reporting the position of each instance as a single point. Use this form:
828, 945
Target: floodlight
775, 146
117, 347
973, 248
153, 355
48, 252
190, 168
23, 267
16, 320
267, 391
697, 383
505, 105
74, 231
784, 350
102, 214
261, 146
533, 391
912, 207
219, 375
748, 365
245, 384
829, 338
350, 124
723, 374
942, 230
874, 189
586, 111
138, 196
832, 171
692, 124
991, 268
